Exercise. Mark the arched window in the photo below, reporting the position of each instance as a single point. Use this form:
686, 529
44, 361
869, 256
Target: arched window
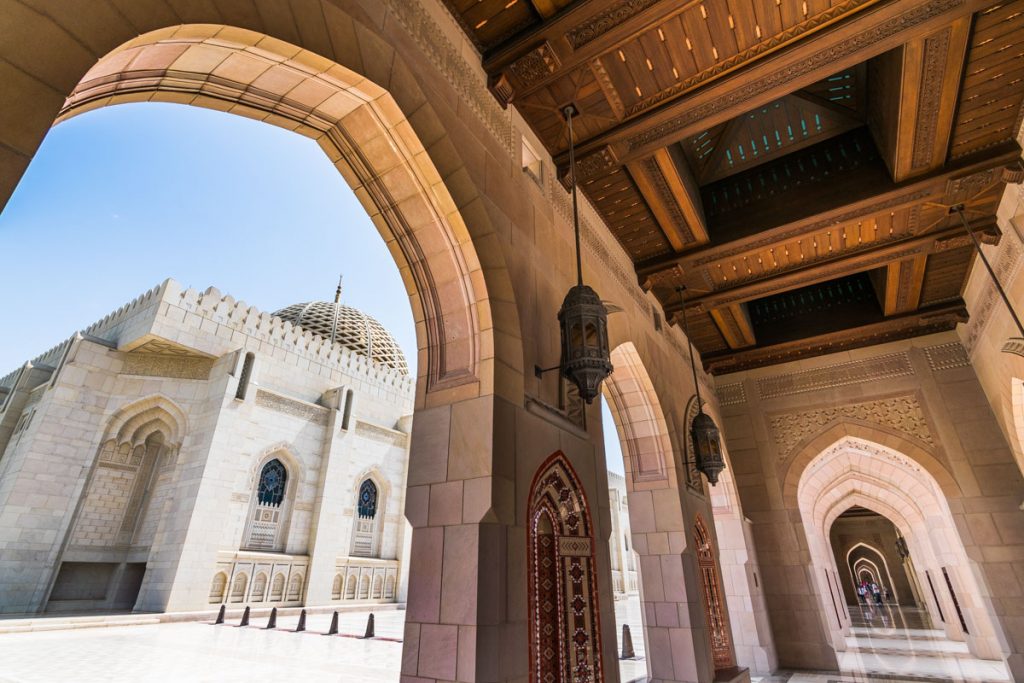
367, 524
272, 481
368, 499
217, 586
268, 512
245, 376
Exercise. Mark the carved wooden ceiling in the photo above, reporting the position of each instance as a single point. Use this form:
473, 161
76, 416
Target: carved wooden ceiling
790, 162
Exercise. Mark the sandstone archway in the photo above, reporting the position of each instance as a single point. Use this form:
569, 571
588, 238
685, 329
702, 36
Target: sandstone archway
371, 118
856, 471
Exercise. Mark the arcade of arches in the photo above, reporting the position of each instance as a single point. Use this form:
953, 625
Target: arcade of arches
793, 164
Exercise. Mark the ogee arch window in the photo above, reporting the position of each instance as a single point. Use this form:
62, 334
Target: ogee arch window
368, 500
272, 483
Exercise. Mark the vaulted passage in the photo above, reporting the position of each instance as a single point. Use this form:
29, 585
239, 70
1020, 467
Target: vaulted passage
777, 212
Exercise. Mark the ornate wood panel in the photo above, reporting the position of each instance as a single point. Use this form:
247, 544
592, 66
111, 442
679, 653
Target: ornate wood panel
565, 634
714, 599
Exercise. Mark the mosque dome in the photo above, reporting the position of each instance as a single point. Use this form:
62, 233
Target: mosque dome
353, 329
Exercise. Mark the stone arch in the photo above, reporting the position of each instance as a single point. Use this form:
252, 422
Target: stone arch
350, 587
295, 588
1017, 420
267, 524
363, 131
813, 446
133, 422
336, 587
238, 586
878, 562
639, 419
854, 471
378, 587
389, 587
565, 628
715, 611
277, 588
258, 593
217, 587
364, 587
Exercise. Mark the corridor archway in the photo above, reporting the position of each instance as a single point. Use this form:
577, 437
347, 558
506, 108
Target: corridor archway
852, 472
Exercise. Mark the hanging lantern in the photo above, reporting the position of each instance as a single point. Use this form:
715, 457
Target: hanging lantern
901, 548
707, 441
707, 446
586, 358
583, 318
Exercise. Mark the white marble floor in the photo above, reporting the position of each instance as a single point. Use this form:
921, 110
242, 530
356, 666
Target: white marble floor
200, 652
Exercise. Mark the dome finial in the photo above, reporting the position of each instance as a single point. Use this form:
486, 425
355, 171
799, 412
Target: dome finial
337, 300
337, 292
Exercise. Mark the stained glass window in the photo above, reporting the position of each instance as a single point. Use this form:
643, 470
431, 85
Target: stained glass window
368, 499
272, 481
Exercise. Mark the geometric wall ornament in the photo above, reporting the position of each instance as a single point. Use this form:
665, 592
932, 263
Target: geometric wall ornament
714, 601
902, 413
840, 374
565, 636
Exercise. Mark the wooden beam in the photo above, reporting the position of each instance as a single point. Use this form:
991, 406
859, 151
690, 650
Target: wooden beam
585, 30
797, 65
930, 188
925, 321
903, 282
821, 271
733, 322
930, 81
674, 202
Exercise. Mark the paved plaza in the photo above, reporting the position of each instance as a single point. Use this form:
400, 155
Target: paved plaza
198, 651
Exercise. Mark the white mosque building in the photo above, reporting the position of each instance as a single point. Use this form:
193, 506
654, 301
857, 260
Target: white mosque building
189, 450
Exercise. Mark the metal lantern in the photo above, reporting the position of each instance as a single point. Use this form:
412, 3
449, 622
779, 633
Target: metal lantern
707, 442
583, 318
707, 446
586, 360
901, 548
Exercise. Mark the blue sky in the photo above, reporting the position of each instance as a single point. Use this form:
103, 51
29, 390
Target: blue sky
120, 198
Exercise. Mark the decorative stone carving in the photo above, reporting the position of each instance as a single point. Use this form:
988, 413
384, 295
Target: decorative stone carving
388, 436
1015, 346
731, 394
155, 365
594, 164
903, 413
471, 87
1006, 269
840, 374
912, 17
947, 356
289, 406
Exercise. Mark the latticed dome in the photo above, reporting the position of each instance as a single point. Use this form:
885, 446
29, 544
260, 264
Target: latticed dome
353, 329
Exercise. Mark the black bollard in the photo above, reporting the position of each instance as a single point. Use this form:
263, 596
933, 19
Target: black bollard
333, 630
302, 622
245, 617
220, 614
272, 621
627, 643
369, 627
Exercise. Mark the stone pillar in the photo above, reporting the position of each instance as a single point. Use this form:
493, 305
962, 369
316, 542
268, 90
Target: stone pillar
328, 518
460, 509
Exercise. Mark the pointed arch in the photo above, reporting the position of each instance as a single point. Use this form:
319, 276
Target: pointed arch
715, 610
639, 417
133, 422
211, 64
565, 630
832, 434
